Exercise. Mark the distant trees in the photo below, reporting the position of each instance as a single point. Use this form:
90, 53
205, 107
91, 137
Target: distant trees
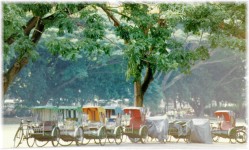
220, 79
68, 82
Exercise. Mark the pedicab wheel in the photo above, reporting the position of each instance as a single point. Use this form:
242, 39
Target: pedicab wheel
168, 138
187, 139
232, 135
241, 136
102, 136
18, 137
124, 138
87, 141
110, 140
118, 132
215, 137
162, 141
30, 138
65, 143
40, 143
134, 140
79, 136
96, 141
55, 136
143, 133
232, 140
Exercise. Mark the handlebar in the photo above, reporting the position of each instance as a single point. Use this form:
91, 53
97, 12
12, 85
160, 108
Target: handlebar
23, 121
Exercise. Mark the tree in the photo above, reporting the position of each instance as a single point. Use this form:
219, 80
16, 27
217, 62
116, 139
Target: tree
148, 30
25, 24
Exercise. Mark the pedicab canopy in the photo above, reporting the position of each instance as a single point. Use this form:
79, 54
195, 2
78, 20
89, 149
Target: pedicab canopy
95, 113
70, 112
227, 114
45, 113
136, 116
134, 111
112, 111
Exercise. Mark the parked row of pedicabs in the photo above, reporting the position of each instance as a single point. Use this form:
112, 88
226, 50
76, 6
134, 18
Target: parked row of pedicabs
65, 125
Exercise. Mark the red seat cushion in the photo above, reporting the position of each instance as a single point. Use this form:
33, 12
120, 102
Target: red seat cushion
225, 125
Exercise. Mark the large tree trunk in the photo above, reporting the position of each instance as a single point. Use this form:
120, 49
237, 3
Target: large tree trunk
138, 102
140, 89
13, 71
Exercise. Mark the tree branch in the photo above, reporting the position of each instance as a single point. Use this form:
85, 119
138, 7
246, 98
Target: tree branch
178, 77
233, 79
227, 74
27, 29
110, 15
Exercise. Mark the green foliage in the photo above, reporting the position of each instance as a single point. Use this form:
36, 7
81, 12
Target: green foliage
37, 9
94, 27
13, 20
205, 17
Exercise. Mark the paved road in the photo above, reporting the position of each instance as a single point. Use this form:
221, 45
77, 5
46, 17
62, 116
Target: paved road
8, 132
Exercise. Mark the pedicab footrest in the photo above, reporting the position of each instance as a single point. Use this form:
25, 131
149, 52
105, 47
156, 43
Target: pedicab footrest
69, 125
91, 134
111, 125
220, 132
95, 125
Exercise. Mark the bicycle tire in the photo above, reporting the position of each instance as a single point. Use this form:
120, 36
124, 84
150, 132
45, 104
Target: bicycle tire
30, 139
18, 137
241, 136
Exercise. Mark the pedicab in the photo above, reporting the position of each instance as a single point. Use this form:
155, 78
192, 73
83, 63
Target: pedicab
45, 126
179, 129
70, 125
157, 128
113, 124
226, 127
133, 120
94, 125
